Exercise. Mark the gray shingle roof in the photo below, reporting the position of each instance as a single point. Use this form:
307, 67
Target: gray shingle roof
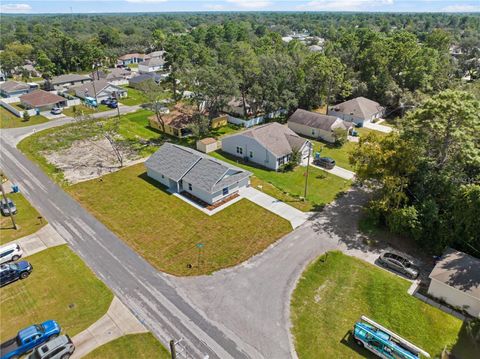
360, 107
154, 61
11, 86
144, 77
202, 171
63, 79
313, 119
87, 89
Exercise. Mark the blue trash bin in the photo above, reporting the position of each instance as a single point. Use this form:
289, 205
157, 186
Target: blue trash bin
15, 188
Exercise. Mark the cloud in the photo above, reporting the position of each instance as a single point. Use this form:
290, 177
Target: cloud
461, 8
214, 7
343, 5
145, 1
15, 8
250, 4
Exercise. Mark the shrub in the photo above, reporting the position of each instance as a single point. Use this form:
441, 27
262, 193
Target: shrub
340, 136
26, 116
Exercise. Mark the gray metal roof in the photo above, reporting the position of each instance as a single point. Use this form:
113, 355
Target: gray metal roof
202, 171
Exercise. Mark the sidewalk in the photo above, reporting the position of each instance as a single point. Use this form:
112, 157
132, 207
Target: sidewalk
338, 171
295, 216
118, 321
44, 238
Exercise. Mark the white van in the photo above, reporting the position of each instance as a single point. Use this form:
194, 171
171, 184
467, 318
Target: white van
10, 252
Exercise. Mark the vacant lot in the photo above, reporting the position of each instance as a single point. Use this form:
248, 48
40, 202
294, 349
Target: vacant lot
165, 230
9, 120
26, 218
336, 290
138, 346
289, 186
61, 287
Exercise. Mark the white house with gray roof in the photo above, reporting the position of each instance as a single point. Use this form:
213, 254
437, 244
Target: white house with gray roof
182, 169
358, 110
270, 145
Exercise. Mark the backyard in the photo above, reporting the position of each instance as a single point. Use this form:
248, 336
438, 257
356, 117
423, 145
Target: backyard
138, 346
27, 219
168, 229
9, 120
61, 287
335, 290
323, 187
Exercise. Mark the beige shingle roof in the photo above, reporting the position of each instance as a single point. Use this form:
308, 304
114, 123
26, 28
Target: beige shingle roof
359, 107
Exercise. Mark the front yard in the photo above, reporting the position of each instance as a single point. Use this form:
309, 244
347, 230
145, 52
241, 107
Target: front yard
323, 187
27, 219
61, 287
9, 120
165, 230
82, 110
335, 290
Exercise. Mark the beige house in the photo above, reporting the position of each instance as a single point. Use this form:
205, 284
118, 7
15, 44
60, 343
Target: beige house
316, 125
456, 280
207, 145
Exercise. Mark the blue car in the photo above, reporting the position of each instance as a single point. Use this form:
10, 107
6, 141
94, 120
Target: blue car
28, 339
112, 104
12, 272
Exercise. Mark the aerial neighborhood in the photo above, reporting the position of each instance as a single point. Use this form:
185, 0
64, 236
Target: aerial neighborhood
239, 184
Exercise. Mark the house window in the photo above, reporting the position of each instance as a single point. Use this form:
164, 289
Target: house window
239, 150
190, 187
313, 132
251, 154
225, 191
163, 176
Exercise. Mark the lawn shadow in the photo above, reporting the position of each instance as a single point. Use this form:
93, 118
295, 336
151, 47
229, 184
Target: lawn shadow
349, 341
465, 347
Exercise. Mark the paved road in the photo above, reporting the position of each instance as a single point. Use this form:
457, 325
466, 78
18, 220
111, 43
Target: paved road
149, 294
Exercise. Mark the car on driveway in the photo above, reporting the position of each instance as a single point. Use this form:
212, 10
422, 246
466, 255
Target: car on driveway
399, 263
12, 272
58, 348
106, 101
56, 111
4, 207
325, 162
10, 252
113, 104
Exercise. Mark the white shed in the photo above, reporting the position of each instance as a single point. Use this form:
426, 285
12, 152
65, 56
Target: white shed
456, 280
207, 145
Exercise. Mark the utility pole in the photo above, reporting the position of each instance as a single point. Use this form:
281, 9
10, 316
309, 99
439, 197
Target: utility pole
306, 174
118, 107
172, 349
8, 206
93, 84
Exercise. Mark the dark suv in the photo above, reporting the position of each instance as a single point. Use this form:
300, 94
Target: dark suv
399, 263
14, 271
325, 162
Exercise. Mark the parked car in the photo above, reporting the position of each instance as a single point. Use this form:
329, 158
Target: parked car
4, 207
399, 263
56, 111
106, 101
325, 162
10, 252
113, 104
28, 339
58, 348
12, 272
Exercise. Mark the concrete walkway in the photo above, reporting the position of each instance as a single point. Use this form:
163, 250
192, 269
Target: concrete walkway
295, 216
338, 171
44, 238
377, 127
118, 321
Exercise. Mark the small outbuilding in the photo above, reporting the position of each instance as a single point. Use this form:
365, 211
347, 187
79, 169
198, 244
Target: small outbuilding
456, 280
207, 145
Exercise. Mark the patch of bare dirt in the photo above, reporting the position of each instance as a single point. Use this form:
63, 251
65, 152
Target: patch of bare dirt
89, 159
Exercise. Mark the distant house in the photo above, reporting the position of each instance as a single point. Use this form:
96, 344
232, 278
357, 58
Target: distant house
64, 82
133, 58
176, 122
456, 280
154, 54
151, 65
358, 110
182, 169
41, 100
269, 145
15, 88
136, 81
316, 125
315, 48
101, 89
235, 107
115, 74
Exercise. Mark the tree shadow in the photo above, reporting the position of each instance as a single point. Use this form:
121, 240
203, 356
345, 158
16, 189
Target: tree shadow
465, 347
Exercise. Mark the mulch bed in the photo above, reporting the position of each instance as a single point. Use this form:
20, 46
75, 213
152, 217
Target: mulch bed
204, 204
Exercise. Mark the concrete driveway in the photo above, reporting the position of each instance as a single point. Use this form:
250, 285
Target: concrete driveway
378, 127
338, 171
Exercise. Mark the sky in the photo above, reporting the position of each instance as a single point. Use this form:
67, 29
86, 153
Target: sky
103, 6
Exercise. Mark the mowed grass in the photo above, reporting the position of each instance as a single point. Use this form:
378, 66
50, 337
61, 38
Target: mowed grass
9, 120
79, 110
323, 187
341, 155
26, 218
134, 97
61, 287
165, 230
335, 290
138, 346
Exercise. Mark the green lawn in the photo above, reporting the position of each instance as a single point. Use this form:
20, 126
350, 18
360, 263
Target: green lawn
134, 97
9, 120
335, 290
138, 346
323, 187
339, 154
166, 230
229, 129
79, 109
26, 218
134, 128
61, 287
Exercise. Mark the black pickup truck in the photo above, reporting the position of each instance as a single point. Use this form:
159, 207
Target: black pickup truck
12, 272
